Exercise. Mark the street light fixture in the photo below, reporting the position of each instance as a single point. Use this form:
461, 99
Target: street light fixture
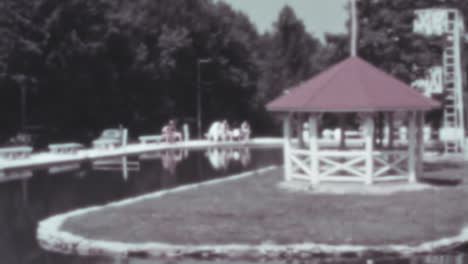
199, 98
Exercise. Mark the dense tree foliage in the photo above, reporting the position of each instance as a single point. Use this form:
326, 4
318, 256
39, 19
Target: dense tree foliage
84, 65
387, 39
287, 56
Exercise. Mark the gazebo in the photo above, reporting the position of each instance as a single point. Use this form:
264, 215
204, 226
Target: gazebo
352, 86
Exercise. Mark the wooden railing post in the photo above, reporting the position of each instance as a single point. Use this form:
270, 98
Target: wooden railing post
412, 147
287, 146
420, 143
369, 143
300, 130
314, 149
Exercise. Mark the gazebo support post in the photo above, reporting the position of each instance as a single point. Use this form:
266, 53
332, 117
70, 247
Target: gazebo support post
300, 130
378, 127
412, 146
383, 119
287, 146
342, 125
314, 149
420, 145
390, 130
369, 143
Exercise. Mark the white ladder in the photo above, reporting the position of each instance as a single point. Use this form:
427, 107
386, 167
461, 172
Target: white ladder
453, 119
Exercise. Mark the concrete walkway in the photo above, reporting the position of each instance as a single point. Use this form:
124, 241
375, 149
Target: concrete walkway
48, 158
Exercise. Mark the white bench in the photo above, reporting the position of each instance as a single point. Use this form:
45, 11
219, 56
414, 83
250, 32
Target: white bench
65, 148
106, 143
151, 139
13, 153
111, 138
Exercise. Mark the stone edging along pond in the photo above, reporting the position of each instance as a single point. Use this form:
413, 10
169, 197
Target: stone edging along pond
51, 237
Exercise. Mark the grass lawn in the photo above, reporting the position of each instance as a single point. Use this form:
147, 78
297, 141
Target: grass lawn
254, 210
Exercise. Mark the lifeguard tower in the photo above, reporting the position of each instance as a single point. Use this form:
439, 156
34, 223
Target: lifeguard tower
446, 79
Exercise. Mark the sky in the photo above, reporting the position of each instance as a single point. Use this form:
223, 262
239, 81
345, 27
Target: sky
319, 16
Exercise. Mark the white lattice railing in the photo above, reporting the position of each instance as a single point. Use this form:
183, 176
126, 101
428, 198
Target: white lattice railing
344, 167
350, 166
300, 162
390, 165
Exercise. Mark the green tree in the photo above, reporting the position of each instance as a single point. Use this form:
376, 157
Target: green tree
172, 36
92, 64
287, 56
20, 50
387, 39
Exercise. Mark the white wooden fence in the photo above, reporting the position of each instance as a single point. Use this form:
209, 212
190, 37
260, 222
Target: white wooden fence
350, 166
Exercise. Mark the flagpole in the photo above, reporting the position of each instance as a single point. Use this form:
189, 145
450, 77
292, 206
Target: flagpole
354, 30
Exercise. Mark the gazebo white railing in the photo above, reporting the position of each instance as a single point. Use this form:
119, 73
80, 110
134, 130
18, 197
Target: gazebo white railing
315, 163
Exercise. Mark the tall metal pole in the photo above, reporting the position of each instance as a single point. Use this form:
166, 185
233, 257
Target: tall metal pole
23, 107
198, 102
199, 97
354, 30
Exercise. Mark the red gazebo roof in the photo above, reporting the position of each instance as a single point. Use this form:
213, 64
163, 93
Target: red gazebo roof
350, 86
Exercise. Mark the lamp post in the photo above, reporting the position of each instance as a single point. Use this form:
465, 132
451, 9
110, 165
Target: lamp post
23, 107
199, 98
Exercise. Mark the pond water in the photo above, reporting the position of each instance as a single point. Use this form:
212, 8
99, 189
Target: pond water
28, 196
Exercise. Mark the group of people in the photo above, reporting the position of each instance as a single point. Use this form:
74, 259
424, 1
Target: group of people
170, 133
221, 131
218, 131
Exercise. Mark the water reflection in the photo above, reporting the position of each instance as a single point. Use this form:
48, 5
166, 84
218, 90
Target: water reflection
15, 175
169, 158
121, 164
64, 168
221, 157
28, 196
23, 177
